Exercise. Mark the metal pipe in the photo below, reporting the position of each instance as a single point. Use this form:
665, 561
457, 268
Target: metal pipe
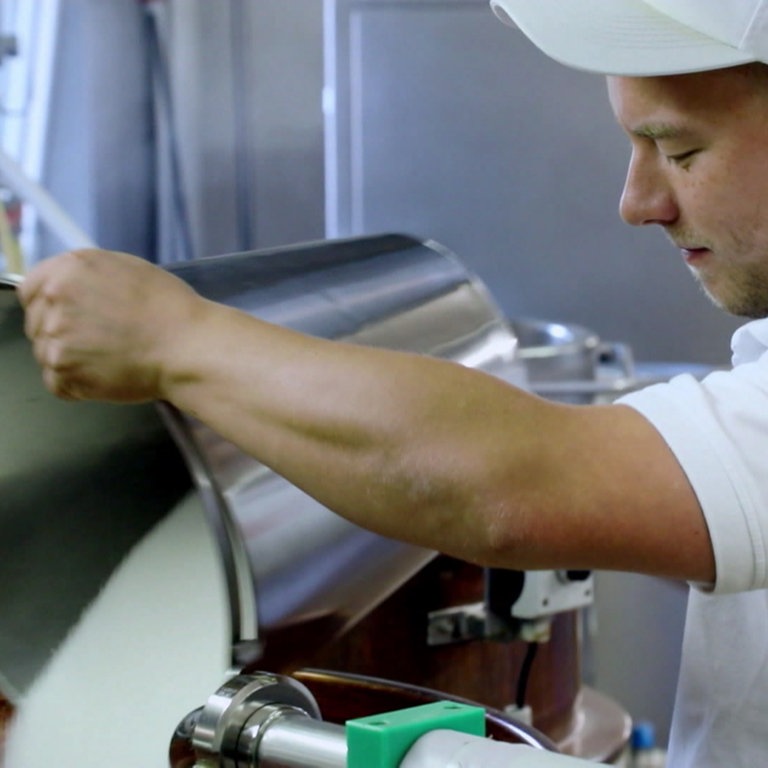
297, 741
291, 739
273, 721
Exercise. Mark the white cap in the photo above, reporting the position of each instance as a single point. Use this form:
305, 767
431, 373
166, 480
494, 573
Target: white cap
643, 37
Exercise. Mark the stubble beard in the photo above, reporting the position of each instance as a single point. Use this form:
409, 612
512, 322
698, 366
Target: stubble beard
741, 291
738, 285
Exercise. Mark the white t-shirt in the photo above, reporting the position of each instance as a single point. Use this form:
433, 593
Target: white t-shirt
718, 430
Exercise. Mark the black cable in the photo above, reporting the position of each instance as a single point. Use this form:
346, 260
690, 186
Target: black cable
525, 673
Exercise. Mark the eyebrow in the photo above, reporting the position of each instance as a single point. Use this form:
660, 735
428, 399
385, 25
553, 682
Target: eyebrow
660, 131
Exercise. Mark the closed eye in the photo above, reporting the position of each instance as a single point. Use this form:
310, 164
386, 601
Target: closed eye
682, 157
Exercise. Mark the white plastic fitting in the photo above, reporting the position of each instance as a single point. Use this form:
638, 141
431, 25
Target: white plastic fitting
451, 749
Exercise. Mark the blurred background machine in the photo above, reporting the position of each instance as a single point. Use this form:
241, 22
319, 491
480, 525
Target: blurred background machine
146, 560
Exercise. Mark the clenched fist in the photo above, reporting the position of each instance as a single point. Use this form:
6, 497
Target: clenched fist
103, 324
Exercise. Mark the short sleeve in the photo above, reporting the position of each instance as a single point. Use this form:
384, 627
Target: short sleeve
718, 430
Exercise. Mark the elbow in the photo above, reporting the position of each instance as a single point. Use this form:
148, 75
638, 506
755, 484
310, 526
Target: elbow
499, 528
508, 537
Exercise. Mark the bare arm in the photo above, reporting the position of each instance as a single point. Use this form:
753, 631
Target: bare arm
412, 447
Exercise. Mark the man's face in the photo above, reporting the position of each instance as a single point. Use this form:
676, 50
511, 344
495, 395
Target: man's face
699, 169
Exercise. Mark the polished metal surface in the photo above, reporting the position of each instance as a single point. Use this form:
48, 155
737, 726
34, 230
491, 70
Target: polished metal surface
570, 363
81, 483
556, 351
271, 721
264, 720
564, 361
231, 725
294, 741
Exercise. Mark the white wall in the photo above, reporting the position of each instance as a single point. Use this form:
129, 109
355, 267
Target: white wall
99, 154
248, 84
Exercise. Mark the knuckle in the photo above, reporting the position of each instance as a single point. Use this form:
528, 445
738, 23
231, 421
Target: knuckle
57, 358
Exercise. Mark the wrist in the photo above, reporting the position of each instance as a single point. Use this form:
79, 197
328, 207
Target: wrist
187, 348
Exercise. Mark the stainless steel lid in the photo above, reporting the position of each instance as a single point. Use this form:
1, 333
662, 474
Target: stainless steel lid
82, 483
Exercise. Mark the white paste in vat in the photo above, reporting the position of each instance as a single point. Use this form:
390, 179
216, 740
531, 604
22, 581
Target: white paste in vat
150, 648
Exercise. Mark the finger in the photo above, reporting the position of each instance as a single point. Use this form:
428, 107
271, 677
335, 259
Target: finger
50, 276
34, 318
59, 377
31, 287
58, 386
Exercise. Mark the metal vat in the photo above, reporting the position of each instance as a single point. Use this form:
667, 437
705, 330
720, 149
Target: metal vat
83, 483
556, 351
569, 363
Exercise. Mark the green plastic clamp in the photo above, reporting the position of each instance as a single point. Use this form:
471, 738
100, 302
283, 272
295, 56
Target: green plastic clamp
382, 741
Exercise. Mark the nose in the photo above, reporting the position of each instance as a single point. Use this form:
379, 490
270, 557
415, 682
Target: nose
647, 197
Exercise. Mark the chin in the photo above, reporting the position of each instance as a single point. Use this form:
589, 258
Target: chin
749, 304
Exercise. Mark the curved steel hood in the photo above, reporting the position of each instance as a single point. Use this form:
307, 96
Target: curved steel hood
297, 574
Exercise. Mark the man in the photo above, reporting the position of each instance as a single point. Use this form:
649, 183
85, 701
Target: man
670, 481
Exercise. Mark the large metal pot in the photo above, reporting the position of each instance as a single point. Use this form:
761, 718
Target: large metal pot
566, 362
554, 351
85, 486
570, 363
113, 472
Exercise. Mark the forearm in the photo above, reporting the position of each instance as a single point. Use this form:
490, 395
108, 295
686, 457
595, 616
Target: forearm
383, 438
443, 456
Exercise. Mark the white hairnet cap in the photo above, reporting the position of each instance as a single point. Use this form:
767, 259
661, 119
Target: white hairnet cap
643, 37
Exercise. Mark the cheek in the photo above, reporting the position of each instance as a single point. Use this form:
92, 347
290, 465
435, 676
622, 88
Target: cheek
748, 204
705, 202
731, 193
732, 218
745, 179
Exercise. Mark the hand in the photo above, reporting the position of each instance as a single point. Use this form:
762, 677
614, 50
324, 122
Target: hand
102, 324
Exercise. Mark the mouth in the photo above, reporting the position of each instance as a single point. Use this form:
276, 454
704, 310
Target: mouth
692, 248
693, 255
